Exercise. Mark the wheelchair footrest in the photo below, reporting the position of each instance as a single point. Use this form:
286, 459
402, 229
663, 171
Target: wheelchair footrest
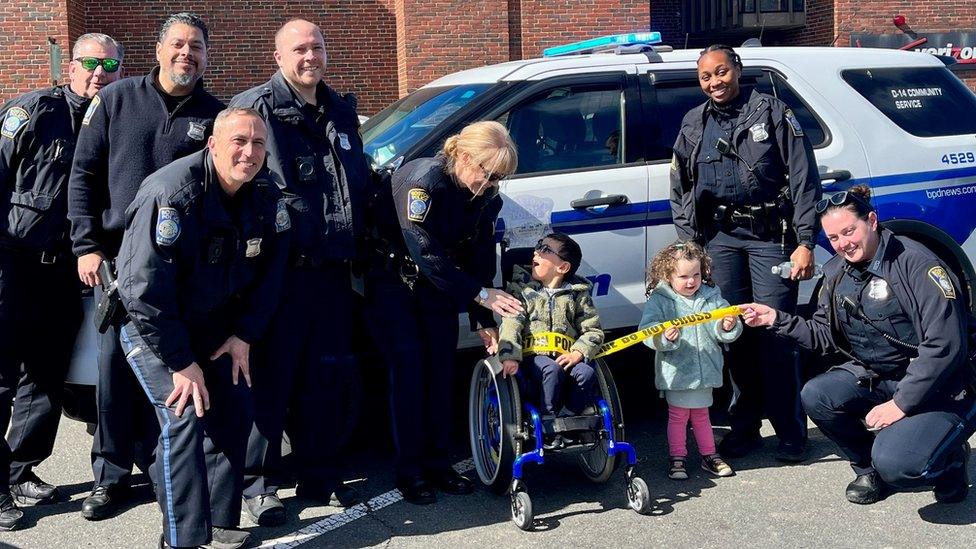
572, 423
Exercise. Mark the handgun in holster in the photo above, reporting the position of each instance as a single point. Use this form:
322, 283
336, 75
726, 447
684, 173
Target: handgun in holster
108, 306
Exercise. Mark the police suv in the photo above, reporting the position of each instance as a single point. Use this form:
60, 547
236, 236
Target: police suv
594, 123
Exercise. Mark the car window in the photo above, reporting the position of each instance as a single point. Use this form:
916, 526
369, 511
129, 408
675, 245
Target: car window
673, 98
393, 130
923, 101
568, 128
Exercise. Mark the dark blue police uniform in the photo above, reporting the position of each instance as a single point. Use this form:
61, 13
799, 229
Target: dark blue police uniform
197, 266
316, 155
430, 267
40, 297
751, 206
131, 129
907, 293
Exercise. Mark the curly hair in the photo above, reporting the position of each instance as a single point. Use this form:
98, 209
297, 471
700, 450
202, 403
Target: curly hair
664, 263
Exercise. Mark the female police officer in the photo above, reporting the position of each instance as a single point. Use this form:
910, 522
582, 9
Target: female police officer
744, 183
438, 260
893, 310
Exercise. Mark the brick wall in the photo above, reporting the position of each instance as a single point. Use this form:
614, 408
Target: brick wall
383, 49
25, 26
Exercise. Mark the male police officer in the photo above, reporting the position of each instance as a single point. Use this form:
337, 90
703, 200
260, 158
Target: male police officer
744, 181
130, 130
200, 269
315, 151
40, 302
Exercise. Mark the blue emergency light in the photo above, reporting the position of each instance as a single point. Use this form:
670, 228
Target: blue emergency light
604, 42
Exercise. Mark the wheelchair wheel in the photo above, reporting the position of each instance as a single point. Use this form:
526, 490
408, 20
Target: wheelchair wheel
596, 464
522, 510
494, 416
638, 495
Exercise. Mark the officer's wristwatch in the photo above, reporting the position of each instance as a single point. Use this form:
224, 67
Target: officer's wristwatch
482, 297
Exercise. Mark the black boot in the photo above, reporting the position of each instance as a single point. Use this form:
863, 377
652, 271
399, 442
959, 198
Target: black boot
10, 515
416, 490
955, 486
103, 502
34, 491
450, 482
867, 489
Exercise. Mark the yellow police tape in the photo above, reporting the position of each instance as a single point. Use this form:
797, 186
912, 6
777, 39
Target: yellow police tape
549, 342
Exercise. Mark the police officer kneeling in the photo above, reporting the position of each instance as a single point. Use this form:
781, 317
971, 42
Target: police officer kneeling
200, 268
902, 406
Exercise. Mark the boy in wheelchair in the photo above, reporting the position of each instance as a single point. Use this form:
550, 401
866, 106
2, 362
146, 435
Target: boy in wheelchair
554, 299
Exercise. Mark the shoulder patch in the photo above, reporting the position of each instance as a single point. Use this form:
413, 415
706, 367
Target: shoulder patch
794, 123
941, 279
418, 205
282, 217
15, 121
91, 110
167, 226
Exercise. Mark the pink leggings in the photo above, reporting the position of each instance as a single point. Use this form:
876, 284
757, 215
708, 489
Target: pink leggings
678, 434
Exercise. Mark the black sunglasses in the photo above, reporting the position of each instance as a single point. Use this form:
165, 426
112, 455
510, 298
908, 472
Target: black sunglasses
839, 199
492, 177
110, 64
544, 248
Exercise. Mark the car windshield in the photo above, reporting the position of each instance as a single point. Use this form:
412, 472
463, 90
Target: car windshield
396, 128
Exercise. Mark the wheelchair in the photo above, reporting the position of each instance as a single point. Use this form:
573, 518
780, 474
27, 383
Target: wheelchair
506, 433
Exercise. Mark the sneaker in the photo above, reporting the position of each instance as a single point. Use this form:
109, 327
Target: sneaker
265, 510
34, 491
10, 515
676, 470
227, 538
715, 465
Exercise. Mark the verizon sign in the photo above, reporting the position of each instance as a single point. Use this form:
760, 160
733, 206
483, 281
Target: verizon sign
959, 45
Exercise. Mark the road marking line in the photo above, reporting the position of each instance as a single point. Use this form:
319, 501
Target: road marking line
338, 520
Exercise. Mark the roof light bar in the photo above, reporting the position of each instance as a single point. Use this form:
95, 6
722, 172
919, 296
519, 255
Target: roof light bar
604, 42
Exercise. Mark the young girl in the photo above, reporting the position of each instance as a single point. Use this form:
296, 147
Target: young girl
688, 361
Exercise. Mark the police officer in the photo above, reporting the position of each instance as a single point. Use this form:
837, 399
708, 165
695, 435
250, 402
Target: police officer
130, 130
902, 405
40, 302
435, 257
200, 269
316, 154
744, 183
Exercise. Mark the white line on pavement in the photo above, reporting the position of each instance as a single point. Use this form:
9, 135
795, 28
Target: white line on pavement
337, 520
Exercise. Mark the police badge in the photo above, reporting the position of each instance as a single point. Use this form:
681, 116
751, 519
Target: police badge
196, 131
418, 205
878, 289
167, 226
15, 121
282, 218
253, 247
942, 280
759, 133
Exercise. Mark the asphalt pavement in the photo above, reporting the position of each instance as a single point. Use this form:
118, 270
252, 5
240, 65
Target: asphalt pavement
767, 504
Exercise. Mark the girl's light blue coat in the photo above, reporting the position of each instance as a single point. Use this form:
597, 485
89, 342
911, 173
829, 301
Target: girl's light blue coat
694, 361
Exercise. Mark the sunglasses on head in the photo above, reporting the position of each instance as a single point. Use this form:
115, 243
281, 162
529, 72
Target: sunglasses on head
544, 248
492, 177
839, 199
91, 63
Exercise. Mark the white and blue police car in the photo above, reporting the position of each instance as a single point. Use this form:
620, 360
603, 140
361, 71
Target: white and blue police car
594, 123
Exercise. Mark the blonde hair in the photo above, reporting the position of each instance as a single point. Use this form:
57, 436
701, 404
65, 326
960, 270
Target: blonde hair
487, 143
665, 262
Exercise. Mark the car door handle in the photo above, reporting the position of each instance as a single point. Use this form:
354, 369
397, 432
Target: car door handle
609, 200
835, 176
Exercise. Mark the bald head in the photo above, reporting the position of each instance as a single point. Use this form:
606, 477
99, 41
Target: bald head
300, 54
300, 26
